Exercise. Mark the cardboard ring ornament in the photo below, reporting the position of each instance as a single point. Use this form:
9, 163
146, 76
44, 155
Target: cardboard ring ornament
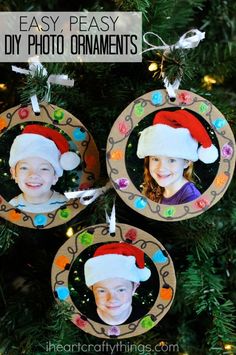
117, 144
87, 150
95, 235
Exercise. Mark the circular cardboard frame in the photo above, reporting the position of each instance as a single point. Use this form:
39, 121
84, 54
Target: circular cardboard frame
62, 119
117, 143
75, 245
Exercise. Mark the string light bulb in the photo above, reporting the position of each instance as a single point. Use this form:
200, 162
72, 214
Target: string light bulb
153, 66
228, 347
3, 86
209, 80
69, 232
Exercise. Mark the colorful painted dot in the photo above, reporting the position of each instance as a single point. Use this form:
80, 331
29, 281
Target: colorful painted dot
123, 127
138, 109
79, 134
65, 213
140, 202
156, 98
3, 123
166, 293
219, 123
122, 183
159, 257
23, 113
202, 203
113, 331
221, 180
62, 292
147, 322
203, 107
116, 154
169, 211
227, 151
14, 215
81, 322
131, 234
58, 114
185, 98
40, 220
86, 238
61, 261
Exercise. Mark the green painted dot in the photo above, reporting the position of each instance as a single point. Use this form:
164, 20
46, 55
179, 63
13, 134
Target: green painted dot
147, 322
65, 213
58, 114
138, 110
86, 238
169, 212
203, 108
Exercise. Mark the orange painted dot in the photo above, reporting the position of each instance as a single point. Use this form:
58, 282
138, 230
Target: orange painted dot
61, 261
166, 293
14, 215
221, 180
3, 123
116, 155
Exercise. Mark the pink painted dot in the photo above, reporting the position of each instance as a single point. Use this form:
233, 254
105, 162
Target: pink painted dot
23, 113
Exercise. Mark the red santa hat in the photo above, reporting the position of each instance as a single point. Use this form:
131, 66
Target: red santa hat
177, 134
116, 260
46, 143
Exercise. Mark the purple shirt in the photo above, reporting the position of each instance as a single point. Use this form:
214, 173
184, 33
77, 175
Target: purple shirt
187, 193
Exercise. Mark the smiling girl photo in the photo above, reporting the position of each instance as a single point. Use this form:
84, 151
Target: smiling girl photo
169, 148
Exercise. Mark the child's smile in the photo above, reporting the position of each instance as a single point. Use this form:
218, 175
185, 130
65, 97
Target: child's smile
168, 172
35, 176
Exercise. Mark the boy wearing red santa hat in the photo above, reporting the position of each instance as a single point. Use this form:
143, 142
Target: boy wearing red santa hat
37, 159
113, 274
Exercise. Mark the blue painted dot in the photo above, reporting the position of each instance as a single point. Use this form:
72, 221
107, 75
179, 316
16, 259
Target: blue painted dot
159, 257
40, 220
79, 135
140, 202
62, 292
156, 98
219, 123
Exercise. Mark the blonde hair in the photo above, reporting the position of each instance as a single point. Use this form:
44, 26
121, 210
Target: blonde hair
151, 189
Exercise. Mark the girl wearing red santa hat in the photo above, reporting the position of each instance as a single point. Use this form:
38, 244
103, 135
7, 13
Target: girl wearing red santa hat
37, 159
169, 148
113, 274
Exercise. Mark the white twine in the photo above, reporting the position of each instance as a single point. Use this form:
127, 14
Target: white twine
111, 220
186, 41
88, 196
35, 67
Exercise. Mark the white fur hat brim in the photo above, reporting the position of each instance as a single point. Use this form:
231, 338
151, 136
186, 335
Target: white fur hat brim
29, 145
163, 140
107, 266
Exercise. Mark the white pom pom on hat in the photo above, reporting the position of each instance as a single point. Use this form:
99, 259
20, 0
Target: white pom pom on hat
45, 143
177, 134
111, 260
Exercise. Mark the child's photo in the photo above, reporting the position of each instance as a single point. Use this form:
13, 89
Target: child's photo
170, 146
113, 274
38, 157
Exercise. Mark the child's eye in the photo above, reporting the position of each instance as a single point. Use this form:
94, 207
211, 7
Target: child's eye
172, 160
23, 168
122, 289
45, 169
101, 291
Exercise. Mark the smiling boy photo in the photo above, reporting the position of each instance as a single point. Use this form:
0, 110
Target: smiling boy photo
38, 157
113, 274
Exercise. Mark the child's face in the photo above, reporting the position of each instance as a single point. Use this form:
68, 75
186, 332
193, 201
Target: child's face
35, 176
113, 297
167, 171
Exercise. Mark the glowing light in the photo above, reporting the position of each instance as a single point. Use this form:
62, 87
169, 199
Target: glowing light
69, 232
153, 67
228, 347
3, 86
